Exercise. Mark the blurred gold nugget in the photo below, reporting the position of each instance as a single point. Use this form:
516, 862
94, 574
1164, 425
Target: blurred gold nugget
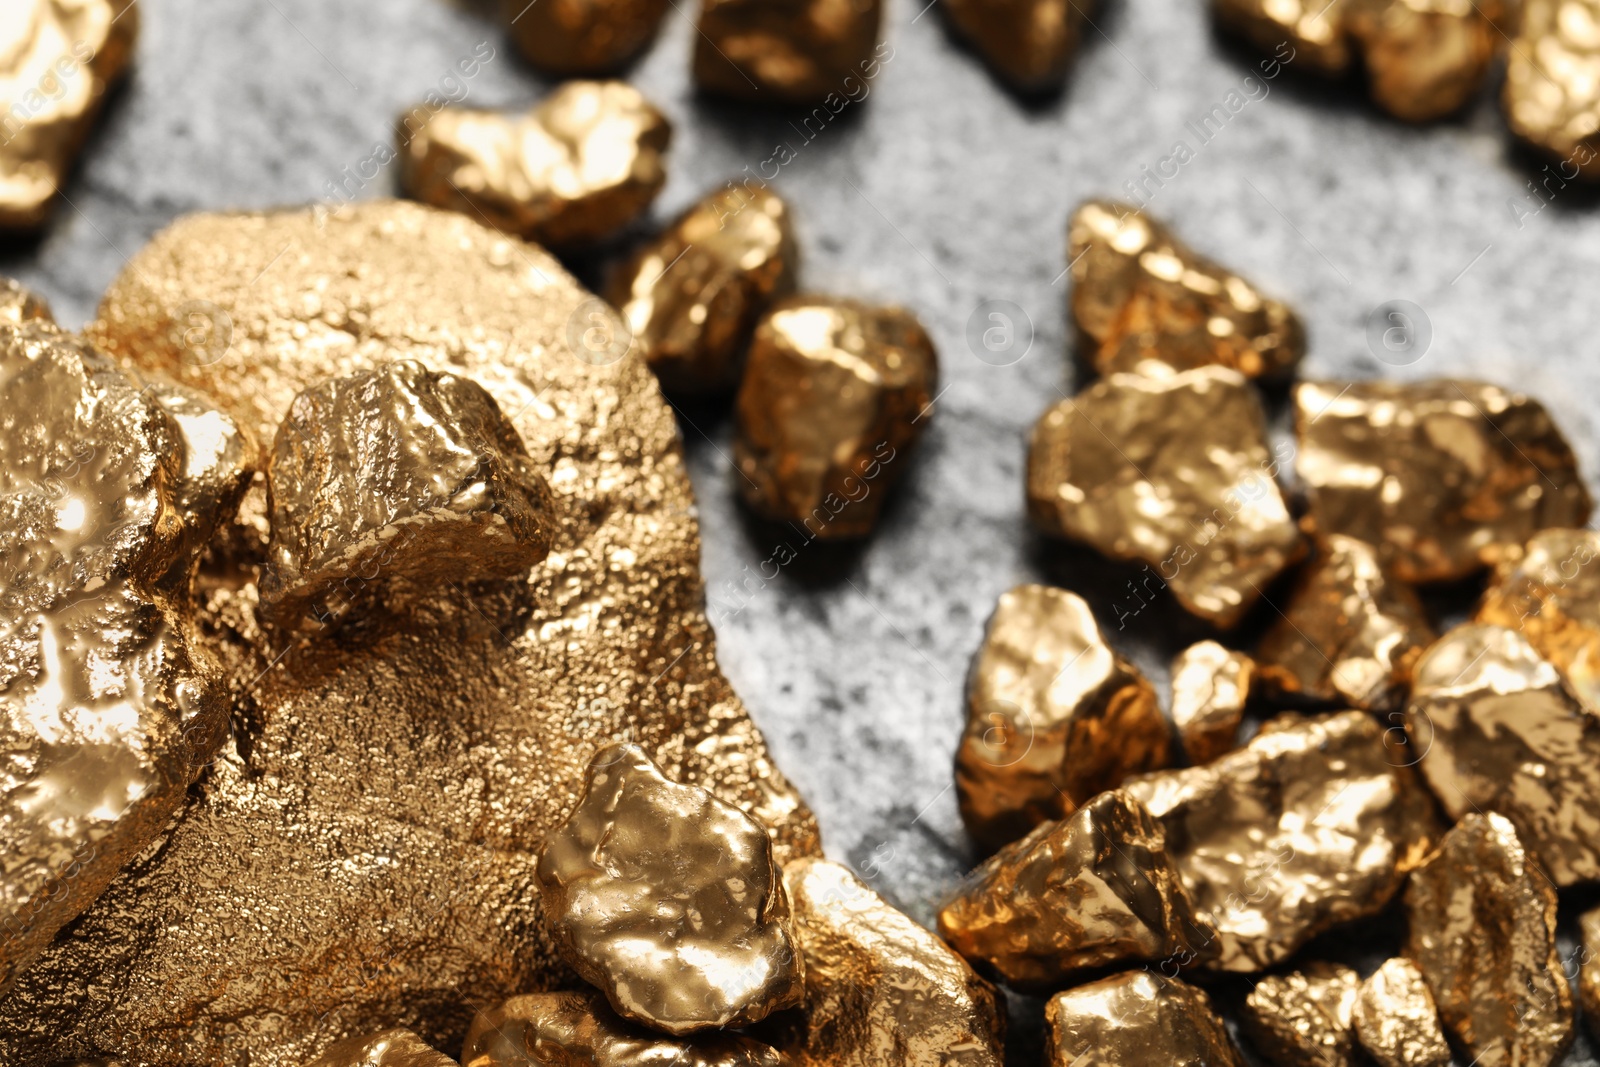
58, 59
1171, 469
1054, 716
1136, 1018
1396, 1020
1139, 294
783, 52
1304, 1018
1030, 44
572, 38
1482, 928
580, 166
391, 1048
1096, 889
1443, 476
1552, 96
19, 305
1589, 970
1211, 686
1551, 593
692, 296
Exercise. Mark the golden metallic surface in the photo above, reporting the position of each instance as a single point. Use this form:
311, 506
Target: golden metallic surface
1589, 968
1054, 716
574, 38
1029, 44
363, 855
1136, 1018
881, 991
1308, 33
1496, 729
1551, 96
1396, 1021
1550, 592
692, 296
1138, 293
1349, 634
1096, 889
1211, 685
1304, 1018
835, 394
782, 52
392, 483
669, 900
1173, 470
577, 168
58, 59
390, 1048
1444, 476
581, 1030
1312, 824
19, 304
1482, 926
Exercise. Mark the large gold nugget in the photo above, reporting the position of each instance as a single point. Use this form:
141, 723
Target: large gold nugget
692, 296
1029, 44
1551, 593
1137, 1018
1304, 1018
58, 59
669, 901
1093, 890
397, 479
391, 1048
1551, 95
1396, 1020
368, 860
1496, 729
1172, 470
1054, 716
1211, 686
581, 1030
1350, 634
1306, 827
575, 170
835, 395
1482, 920
881, 991
1443, 476
572, 38
1138, 294
779, 52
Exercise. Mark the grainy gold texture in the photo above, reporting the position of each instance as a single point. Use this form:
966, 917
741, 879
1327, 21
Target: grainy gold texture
1396, 1021
575, 170
881, 991
1136, 1018
1482, 920
1173, 470
363, 855
19, 304
669, 900
692, 296
1029, 44
390, 1048
1308, 826
573, 38
1211, 686
1551, 594
781, 52
1589, 969
58, 59
1551, 96
1349, 633
1304, 1018
396, 482
1444, 476
1096, 889
835, 396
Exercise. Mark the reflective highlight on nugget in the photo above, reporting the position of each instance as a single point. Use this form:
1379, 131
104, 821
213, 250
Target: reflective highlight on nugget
784, 52
573, 38
1304, 1018
390, 1048
1396, 1020
1211, 685
1137, 1018
1551, 96
1028, 44
1550, 593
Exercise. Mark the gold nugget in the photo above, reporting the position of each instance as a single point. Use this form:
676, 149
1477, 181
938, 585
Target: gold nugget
835, 395
1029, 44
1482, 928
1173, 470
1137, 1018
572, 38
1211, 686
391, 1048
1443, 476
1551, 593
1396, 1020
1304, 1018
692, 296
1589, 969
881, 991
1093, 890
575, 170
780, 52
19, 305
1551, 96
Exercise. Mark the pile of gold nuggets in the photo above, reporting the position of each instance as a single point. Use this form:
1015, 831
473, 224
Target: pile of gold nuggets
357, 695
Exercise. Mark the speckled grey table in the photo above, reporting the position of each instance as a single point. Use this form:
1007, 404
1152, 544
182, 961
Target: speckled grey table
938, 191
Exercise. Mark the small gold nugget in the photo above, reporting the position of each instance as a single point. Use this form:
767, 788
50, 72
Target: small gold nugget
397, 479
1482, 928
1306, 827
391, 1048
575, 170
1138, 294
1137, 1018
58, 59
1173, 470
571, 38
881, 991
1551, 593
669, 901
1443, 476
1096, 889
691, 297
1589, 970
581, 1030
780, 52
1054, 716
1396, 1020
1349, 634
835, 395
1211, 685
1029, 44
1304, 1018
1551, 95
1496, 729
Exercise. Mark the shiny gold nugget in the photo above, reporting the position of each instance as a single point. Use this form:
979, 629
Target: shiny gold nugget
1304, 1018
779, 52
1551, 593
1211, 686
1551, 95
1589, 969
19, 305
1136, 1018
391, 1048
1029, 44
1396, 1020
573, 38
576, 169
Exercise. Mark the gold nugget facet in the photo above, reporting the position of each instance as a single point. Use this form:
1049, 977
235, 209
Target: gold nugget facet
575, 38
1137, 1018
1551, 593
1304, 1018
390, 1048
1173, 470
1551, 96
19, 305
1396, 1020
781, 52
1211, 685
1029, 44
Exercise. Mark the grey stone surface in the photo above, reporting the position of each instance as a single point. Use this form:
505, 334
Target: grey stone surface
939, 191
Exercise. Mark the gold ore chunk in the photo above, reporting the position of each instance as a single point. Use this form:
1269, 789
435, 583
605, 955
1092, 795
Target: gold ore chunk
1029, 44
390, 1048
1551, 593
669, 900
1136, 1018
1396, 1020
1304, 1018
1211, 686
1551, 96
779, 52
573, 38
1482, 920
